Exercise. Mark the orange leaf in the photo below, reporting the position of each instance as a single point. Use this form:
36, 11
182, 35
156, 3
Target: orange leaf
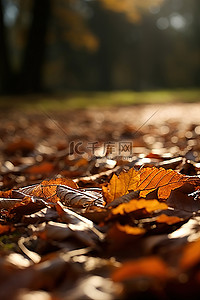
191, 255
163, 180
149, 267
43, 168
121, 185
47, 189
130, 229
168, 219
20, 144
6, 228
62, 181
149, 205
6, 194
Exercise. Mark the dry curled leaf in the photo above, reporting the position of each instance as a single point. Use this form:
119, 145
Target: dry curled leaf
82, 228
6, 203
78, 198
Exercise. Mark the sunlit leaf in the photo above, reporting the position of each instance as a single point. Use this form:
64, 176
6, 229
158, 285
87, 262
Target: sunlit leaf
163, 180
148, 205
121, 185
47, 189
168, 219
130, 229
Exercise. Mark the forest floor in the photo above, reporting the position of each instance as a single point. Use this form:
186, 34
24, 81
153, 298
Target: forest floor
81, 232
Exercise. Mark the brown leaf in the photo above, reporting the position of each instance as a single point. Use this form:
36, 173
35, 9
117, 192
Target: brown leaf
52, 231
78, 198
83, 228
27, 205
181, 199
6, 203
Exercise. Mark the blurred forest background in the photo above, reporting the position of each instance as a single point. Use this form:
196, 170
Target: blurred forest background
104, 45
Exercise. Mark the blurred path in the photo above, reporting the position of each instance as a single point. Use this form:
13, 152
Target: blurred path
186, 113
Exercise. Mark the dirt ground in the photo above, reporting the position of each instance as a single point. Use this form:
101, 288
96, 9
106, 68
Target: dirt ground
59, 239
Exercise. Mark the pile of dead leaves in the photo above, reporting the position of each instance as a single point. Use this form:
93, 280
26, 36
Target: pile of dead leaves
99, 227
77, 243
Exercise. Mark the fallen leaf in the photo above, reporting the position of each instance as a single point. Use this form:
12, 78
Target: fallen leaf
83, 228
25, 206
78, 198
6, 203
146, 267
190, 256
148, 205
6, 228
163, 180
181, 199
52, 231
124, 199
47, 189
42, 168
20, 144
168, 219
130, 229
121, 185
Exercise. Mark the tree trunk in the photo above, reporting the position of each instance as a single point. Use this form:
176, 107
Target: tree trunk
30, 77
5, 69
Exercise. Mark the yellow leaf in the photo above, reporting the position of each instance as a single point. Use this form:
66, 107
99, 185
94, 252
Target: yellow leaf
168, 219
121, 185
149, 205
131, 230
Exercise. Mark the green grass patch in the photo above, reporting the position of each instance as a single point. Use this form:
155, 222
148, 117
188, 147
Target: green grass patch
78, 100
8, 242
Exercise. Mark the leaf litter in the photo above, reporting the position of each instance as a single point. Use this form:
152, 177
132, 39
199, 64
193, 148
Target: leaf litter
108, 211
